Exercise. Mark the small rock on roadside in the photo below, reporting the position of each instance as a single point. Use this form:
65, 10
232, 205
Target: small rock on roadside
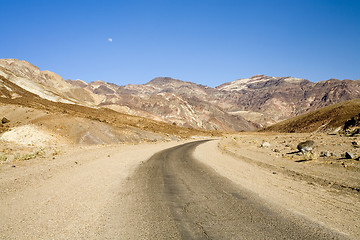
4, 120
349, 155
325, 154
306, 146
355, 144
265, 144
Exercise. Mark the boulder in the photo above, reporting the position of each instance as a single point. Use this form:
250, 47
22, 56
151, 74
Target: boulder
349, 155
306, 146
4, 120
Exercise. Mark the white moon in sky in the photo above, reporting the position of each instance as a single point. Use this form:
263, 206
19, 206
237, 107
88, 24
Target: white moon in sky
110, 39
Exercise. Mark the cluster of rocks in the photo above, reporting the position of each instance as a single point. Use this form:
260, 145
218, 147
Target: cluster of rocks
309, 145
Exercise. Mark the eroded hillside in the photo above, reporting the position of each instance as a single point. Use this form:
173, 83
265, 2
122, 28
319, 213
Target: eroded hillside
331, 119
241, 105
78, 123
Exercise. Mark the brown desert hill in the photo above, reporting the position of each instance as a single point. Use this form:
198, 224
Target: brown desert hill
83, 124
280, 98
170, 100
240, 105
46, 84
327, 119
256, 101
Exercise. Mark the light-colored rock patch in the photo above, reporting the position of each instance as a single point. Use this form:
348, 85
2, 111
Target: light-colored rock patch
31, 135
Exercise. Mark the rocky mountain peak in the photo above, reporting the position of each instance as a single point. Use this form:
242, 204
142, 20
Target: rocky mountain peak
258, 81
243, 83
242, 104
98, 82
77, 82
24, 69
259, 77
164, 81
21, 68
15, 63
45, 84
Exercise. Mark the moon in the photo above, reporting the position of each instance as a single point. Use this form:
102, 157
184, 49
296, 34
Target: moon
110, 39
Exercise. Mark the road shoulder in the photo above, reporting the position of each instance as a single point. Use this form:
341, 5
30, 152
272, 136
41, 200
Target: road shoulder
64, 198
339, 212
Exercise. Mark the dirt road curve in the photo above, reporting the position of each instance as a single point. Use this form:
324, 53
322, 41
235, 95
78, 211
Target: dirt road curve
174, 196
160, 191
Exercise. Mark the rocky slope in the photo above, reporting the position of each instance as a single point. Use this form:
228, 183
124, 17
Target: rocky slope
260, 100
46, 84
241, 105
279, 98
155, 100
170, 100
341, 117
65, 117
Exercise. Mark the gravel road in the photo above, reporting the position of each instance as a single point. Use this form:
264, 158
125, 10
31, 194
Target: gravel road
173, 196
151, 191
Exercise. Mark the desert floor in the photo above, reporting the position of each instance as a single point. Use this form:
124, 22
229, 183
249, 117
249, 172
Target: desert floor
65, 193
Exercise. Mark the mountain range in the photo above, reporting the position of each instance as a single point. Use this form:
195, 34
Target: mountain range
240, 105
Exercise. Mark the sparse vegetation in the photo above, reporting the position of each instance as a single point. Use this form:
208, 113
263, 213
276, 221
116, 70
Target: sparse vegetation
24, 156
3, 157
39, 152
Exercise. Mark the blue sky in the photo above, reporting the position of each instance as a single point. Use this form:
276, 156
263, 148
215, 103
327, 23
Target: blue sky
205, 41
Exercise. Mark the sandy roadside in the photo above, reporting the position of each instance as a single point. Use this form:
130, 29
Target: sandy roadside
64, 198
69, 197
336, 210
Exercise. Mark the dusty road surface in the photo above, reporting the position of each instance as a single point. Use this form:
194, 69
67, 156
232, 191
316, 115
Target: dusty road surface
157, 191
174, 196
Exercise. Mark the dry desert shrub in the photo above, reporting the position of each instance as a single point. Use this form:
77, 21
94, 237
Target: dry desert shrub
40, 152
3, 157
24, 157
